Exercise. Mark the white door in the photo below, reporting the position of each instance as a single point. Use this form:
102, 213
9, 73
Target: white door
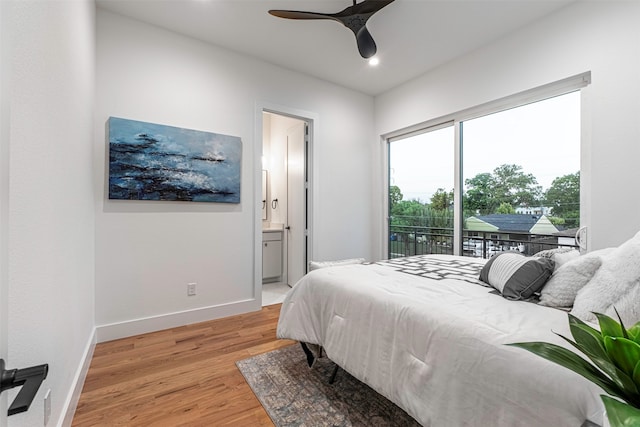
295, 228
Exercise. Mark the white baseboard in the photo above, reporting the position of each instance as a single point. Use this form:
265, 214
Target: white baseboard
145, 325
71, 403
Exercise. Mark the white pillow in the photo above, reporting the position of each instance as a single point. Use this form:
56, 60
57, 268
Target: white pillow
628, 306
559, 255
561, 289
562, 258
616, 277
314, 265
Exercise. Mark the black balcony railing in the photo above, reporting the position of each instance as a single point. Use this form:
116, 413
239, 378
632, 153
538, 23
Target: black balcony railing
419, 240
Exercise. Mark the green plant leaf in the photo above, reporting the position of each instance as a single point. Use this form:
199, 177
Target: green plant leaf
609, 327
634, 332
623, 382
636, 374
624, 329
585, 336
575, 322
621, 414
588, 340
574, 362
624, 353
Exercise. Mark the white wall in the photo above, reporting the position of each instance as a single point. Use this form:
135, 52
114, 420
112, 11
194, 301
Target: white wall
601, 37
50, 247
146, 252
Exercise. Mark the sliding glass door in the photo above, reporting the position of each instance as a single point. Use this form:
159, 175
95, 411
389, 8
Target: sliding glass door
521, 175
515, 172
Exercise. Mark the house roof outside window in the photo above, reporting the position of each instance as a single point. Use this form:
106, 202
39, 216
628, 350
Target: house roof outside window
517, 223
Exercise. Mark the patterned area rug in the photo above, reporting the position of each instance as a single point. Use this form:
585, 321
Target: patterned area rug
295, 395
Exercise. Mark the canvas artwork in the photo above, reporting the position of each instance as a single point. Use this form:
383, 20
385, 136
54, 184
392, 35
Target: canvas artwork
156, 162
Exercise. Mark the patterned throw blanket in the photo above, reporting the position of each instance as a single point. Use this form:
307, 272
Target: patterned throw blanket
436, 268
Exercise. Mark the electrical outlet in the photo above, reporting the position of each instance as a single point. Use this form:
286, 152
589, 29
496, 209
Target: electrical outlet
191, 289
47, 407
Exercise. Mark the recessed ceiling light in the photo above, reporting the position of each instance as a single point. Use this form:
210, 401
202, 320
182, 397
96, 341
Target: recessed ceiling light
374, 61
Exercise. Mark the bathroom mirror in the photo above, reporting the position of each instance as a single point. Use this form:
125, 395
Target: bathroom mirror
264, 194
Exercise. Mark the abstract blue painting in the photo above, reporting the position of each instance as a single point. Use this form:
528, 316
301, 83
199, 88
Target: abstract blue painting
155, 162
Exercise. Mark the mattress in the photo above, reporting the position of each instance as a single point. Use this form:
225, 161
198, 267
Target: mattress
425, 333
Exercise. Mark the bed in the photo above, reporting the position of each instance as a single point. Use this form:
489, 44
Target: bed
428, 335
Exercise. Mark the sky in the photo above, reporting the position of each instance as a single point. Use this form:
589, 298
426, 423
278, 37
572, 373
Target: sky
543, 138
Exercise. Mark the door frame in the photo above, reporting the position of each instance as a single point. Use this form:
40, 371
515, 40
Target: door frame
312, 121
5, 70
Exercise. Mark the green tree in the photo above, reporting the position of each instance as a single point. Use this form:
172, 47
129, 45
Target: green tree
407, 212
563, 197
440, 223
441, 200
480, 195
515, 187
507, 184
505, 208
419, 225
395, 195
556, 220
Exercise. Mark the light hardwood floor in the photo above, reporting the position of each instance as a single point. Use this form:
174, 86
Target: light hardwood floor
184, 376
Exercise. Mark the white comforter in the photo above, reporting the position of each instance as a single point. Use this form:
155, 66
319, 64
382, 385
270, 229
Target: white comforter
436, 347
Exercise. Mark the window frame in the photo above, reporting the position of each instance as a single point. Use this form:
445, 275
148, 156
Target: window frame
540, 93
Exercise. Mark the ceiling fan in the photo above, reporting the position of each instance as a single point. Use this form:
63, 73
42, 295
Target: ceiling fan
353, 17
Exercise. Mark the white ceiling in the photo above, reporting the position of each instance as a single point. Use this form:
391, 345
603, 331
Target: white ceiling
413, 36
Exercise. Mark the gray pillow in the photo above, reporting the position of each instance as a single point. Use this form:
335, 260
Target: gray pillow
563, 286
516, 276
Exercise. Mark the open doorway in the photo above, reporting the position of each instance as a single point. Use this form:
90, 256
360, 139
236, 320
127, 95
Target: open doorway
285, 187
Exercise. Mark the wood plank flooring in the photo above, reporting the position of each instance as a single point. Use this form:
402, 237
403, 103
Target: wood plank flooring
183, 376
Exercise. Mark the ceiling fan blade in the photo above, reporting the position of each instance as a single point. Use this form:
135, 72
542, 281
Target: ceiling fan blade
366, 7
366, 44
296, 14
353, 17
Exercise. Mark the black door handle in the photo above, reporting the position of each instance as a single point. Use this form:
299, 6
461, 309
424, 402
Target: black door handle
29, 378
